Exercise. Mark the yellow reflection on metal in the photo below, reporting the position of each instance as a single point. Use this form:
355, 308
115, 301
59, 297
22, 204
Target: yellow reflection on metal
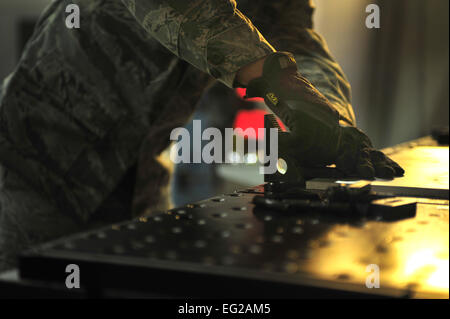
412, 252
424, 264
440, 277
431, 171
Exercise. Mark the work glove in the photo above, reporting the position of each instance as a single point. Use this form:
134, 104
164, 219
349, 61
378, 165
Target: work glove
318, 136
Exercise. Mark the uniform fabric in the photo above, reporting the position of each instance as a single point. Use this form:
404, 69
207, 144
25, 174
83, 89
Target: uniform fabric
82, 103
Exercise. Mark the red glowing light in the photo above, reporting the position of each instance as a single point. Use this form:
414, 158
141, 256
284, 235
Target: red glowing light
241, 93
252, 119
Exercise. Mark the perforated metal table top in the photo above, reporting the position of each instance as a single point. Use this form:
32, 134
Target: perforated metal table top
225, 237
225, 246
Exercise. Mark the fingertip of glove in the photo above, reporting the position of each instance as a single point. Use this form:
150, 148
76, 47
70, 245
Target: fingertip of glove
399, 172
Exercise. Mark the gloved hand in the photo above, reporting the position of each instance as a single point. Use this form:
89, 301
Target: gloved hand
317, 138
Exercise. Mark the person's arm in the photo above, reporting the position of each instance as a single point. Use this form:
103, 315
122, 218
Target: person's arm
288, 25
317, 65
212, 35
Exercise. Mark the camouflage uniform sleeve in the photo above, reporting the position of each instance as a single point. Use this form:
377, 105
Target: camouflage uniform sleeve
212, 35
288, 25
321, 69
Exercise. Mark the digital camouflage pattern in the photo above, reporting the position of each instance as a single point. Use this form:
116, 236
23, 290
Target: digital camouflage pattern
217, 38
80, 103
288, 25
212, 35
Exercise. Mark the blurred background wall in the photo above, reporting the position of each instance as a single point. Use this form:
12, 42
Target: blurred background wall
399, 73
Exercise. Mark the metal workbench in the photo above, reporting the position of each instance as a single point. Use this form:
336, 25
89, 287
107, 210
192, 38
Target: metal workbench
226, 247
